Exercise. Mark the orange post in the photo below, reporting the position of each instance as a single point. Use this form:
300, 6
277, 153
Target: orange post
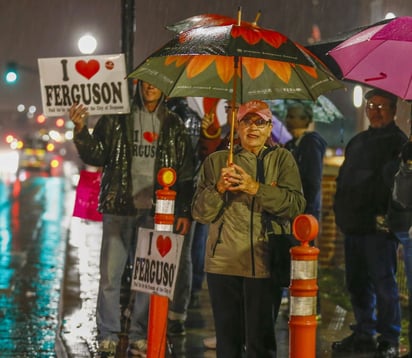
303, 289
159, 305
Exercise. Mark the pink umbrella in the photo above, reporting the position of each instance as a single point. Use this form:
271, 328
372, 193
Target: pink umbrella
380, 57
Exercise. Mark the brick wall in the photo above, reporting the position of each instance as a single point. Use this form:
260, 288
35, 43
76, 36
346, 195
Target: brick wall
330, 239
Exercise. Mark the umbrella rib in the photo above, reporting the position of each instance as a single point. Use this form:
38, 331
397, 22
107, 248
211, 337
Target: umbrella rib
303, 81
407, 89
361, 59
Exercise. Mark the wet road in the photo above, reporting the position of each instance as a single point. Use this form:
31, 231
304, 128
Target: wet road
32, 244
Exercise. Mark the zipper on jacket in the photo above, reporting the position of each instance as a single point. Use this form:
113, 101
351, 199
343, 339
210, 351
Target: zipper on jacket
252, 248
218, 241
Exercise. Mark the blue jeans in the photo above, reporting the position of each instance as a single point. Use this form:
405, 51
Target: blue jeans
371, 263
198, 255
406, 242
118, 241
181, 299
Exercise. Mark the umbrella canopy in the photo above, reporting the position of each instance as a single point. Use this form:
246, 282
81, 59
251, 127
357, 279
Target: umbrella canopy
239, 62
380, 57
322, 48
201, 21
324, 110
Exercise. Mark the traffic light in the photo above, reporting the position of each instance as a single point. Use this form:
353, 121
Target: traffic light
11, 75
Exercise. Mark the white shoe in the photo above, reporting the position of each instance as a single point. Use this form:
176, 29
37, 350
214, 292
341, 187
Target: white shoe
210, 342
138, 348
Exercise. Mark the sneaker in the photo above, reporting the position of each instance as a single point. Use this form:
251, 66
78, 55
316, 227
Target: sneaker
107, 348
356, 342
387, 350
210, 342
175, 327
138, 348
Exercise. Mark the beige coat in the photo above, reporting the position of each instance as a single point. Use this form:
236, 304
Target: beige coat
237, 243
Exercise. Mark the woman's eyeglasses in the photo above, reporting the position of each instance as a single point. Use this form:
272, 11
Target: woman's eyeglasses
260, 122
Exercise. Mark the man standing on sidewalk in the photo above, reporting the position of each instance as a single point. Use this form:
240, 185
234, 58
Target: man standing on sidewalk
131, 149
363, 189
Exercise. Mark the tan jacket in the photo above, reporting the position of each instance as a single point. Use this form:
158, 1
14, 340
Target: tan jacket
237, 243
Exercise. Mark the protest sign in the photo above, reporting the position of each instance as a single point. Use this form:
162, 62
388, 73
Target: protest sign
98, 82
156, 262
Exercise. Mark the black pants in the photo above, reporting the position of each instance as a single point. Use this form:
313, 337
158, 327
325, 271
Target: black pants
243, 315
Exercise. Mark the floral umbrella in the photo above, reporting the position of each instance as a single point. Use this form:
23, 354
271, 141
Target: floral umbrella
252, 62
239, 62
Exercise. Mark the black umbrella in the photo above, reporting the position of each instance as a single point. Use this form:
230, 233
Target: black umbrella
321, 48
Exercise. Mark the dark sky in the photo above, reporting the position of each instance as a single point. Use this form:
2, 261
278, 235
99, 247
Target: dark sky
32, 29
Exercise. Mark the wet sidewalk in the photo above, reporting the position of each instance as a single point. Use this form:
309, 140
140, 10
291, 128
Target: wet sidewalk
81, 282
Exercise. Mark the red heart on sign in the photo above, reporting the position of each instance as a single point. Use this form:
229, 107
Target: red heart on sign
150, 136
163, 244
87, 69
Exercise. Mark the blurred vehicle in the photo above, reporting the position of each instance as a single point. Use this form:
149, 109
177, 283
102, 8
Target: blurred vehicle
37, 155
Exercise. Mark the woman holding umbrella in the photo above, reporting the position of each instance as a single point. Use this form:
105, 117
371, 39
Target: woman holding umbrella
240, 200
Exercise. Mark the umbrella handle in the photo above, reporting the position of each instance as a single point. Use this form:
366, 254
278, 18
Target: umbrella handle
232, 134
233, 111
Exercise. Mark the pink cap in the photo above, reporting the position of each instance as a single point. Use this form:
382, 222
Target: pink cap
258, 107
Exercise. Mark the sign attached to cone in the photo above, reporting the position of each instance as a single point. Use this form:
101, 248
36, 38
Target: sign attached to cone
156, 262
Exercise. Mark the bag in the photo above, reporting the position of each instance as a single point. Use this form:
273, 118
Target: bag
280, 259
87, 193
399, 216
279, 244
402, 188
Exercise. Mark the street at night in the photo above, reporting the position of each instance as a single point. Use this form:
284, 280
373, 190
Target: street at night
80, 78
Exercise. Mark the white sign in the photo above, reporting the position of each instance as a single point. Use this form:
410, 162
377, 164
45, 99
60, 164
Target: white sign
156, 262
98, 82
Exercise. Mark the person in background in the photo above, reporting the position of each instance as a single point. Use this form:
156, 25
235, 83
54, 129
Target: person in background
363, 190
234, 203
131, 149
400, 221
308, 148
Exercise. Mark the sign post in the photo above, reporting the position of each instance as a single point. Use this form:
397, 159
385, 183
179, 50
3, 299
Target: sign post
157, 263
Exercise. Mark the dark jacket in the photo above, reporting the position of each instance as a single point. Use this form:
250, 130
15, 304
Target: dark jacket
110, 147
363, 185
309, 151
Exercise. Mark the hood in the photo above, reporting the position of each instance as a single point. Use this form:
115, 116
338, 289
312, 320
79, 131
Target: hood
138, 98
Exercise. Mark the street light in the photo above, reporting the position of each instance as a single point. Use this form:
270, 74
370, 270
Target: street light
87, 44
11, 75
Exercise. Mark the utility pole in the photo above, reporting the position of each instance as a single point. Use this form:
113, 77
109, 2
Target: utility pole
128, 30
